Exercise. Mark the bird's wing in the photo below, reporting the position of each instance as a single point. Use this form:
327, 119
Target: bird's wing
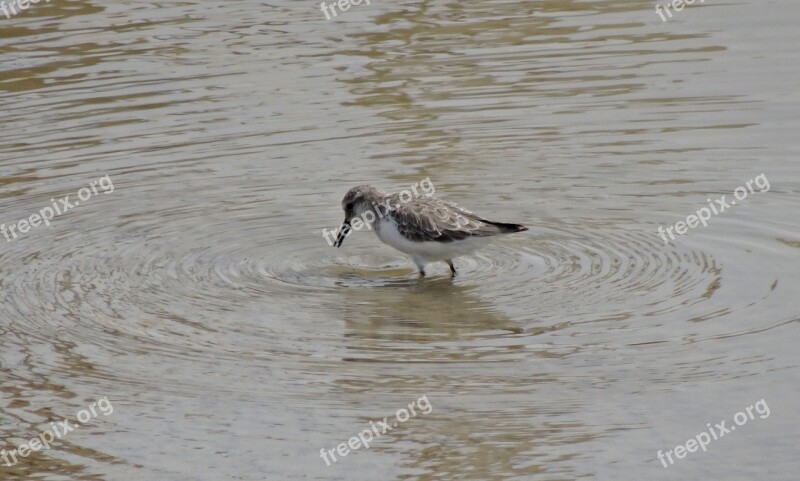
436, 220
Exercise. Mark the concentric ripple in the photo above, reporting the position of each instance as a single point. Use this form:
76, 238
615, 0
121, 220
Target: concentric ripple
177, 281
160, 293
598, 272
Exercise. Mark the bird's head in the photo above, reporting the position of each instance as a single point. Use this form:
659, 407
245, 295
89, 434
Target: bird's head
356, 201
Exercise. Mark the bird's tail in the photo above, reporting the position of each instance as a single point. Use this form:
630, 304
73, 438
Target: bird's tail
508, 228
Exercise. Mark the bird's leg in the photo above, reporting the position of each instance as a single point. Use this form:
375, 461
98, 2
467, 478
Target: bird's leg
420, 265
452, 267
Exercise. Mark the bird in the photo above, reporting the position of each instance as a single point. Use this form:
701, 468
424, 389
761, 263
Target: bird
426, 228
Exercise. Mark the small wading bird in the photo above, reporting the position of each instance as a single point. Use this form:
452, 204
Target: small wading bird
426, 228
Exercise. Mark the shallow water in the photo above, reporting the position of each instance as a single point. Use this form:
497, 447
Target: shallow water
233, 342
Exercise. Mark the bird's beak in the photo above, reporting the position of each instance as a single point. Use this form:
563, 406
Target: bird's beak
343, 231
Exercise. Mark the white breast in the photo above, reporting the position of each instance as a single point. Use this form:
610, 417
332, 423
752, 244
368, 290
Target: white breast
387, 232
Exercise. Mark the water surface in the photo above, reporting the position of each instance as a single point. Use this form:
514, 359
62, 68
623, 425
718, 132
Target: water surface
234, 343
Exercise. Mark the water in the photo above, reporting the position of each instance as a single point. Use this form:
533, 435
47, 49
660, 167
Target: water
233, 342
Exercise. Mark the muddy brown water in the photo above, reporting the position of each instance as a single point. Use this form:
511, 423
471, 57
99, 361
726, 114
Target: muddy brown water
200, 298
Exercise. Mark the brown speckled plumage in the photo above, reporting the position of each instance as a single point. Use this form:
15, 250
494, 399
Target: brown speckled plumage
417, 224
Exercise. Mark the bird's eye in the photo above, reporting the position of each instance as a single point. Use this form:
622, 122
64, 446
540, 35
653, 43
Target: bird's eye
349, 206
